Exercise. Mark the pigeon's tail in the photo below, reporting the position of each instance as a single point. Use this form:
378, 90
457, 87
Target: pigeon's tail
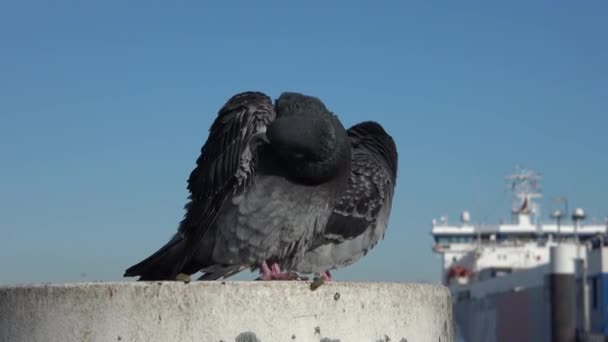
160, 265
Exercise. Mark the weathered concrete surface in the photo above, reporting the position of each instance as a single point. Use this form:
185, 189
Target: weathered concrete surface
226, 311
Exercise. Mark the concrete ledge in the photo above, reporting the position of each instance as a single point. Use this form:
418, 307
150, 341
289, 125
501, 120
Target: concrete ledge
226, 311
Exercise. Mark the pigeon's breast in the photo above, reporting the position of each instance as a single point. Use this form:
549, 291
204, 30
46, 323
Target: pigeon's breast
339, 252
274, 219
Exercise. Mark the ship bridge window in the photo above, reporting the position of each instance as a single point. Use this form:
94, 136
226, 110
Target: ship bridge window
581, 237
449, 239
521, 237
502, 237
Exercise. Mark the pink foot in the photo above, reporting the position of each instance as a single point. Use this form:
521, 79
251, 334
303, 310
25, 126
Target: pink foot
265, 271
327, 276
274, 272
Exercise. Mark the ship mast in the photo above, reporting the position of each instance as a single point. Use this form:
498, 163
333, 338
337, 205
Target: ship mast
524, 184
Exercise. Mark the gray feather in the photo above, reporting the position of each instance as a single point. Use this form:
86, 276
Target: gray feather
250, 199
360, 217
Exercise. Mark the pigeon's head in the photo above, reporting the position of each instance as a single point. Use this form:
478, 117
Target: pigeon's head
307, 137
296, 104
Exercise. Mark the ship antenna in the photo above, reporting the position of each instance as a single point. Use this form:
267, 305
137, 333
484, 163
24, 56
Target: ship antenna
525, 186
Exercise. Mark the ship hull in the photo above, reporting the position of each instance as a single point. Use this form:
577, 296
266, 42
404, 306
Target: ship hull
510, 316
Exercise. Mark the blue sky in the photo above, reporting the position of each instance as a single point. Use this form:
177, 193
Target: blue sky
104, 107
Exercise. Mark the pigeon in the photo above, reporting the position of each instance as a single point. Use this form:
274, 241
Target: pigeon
263, 188
360, 217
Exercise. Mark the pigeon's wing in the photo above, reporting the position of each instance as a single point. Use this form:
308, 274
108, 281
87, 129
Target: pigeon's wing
227, 162
225, 167
228, 157
357, 209
370, 187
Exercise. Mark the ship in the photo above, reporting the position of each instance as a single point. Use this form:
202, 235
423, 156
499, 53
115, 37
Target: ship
526, 280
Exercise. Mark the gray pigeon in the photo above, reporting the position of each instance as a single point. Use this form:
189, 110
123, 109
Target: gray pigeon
361, 215
264, 186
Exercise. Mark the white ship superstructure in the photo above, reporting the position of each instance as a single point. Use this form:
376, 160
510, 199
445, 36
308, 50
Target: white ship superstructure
476, 252
506, 279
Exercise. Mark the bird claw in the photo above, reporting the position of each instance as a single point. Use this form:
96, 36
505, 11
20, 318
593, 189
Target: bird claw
274, 273
327, 276
291, 275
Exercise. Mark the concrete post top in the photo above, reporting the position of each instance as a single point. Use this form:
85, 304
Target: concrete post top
225, 311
